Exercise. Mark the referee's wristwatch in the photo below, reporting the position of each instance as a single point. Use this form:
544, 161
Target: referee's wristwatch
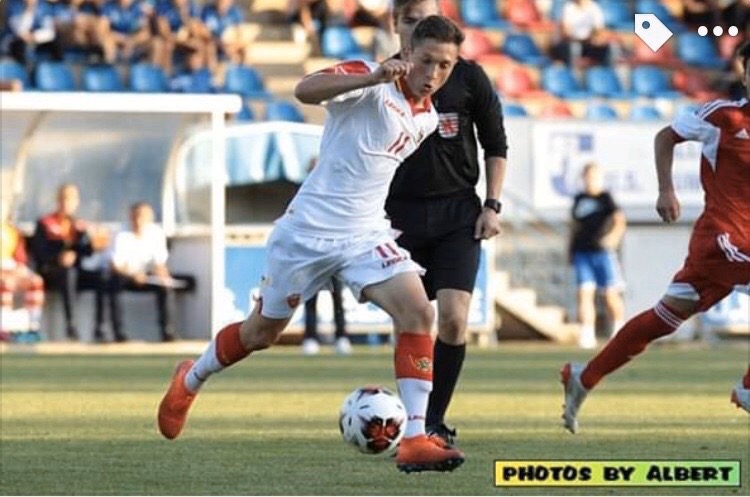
494, 204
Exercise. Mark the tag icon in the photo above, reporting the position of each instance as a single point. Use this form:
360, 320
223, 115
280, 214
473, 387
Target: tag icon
652, 31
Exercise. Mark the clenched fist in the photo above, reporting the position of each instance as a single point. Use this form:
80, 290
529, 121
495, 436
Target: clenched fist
391, 70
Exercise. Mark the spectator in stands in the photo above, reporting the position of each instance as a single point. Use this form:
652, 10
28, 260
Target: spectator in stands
15, 276
129, 33
311, 340
59, 244
378, 14
31, 30
598, 226
313, 15
184, 36
139, 264
219, 16
583, 35
79, 24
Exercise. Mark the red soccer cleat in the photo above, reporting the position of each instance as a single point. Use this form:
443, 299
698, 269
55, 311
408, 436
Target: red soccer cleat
423, 453
174, 406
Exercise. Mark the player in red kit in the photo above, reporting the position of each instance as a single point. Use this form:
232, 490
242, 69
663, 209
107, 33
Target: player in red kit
719, 252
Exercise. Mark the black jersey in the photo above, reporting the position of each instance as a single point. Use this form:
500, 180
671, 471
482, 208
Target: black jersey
446, 163
592, 219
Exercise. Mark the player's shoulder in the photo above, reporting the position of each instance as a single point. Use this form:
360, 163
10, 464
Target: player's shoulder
719, 107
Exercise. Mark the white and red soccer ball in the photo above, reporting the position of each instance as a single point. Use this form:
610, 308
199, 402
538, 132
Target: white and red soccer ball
372, 419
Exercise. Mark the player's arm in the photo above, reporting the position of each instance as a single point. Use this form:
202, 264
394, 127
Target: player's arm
487, 113
328, 84
667, 204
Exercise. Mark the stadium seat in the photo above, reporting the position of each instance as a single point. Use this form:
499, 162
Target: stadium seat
449, 10
556, 10
699, 51
602, 81
662, 12
200, 81
649, 81
54, 76
617, 15
559, 81
245, 114
514, 110
522, 48
525, 14
281, 110
245, 81
338, 42
476, 44
600, 112
11, 70
556, 110
482, 14
664, 57
515, 82
644, 113
102, 78
148, 78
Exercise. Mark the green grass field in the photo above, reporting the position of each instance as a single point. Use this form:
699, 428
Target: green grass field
85, 425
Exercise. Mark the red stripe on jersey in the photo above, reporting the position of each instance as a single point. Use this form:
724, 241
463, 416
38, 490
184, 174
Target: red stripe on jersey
348, 67
393, 249
397, 142
381, 252
401, 147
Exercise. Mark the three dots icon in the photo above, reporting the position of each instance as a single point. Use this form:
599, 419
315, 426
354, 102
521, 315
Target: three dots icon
718, 31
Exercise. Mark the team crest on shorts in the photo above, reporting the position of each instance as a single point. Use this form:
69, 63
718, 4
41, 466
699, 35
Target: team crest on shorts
448, 124
293, 300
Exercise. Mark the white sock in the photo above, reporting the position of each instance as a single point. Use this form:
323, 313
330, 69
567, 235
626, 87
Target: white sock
206, 365
415, 394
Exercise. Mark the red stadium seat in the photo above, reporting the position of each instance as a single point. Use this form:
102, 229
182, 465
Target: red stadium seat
556, 109
516, 82
525, 14
476, 44
449, 10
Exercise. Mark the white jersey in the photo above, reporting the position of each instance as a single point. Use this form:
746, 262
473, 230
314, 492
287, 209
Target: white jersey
368, 133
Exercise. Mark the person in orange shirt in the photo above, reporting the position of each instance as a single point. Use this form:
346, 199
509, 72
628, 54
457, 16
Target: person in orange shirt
16, 277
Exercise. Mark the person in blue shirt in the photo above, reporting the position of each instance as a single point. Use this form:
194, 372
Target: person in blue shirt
31, 30
129, 31
223, 19
185, 36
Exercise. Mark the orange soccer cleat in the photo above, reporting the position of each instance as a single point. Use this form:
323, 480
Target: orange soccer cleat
423, 453
174, 406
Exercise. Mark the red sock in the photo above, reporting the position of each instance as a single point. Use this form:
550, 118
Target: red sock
413, 356
229, 348
630, 341
746, 379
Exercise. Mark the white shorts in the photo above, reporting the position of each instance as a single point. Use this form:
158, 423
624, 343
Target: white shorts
298, 266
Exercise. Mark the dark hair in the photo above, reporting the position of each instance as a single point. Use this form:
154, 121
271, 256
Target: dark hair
141, 204
438, 28
743, 53
400, 5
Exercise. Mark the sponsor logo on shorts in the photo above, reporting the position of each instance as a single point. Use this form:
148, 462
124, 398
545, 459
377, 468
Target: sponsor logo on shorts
423, 364
448, 125
293, 300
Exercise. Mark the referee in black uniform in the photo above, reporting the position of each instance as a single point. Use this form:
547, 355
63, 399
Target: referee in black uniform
432, 200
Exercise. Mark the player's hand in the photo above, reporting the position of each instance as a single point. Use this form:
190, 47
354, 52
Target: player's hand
668, 206
67, 258
391, 70
487, 225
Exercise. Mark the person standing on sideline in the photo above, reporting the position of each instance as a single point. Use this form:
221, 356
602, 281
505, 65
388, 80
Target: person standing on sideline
719, 250
433, 201
311, 339
336, 227
598, 226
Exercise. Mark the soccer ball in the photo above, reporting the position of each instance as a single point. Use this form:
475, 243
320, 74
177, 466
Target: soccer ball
372, 419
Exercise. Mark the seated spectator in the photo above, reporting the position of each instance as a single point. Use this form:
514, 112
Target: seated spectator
129, 33
59, 244
79, 24
583, 34
16, 277
378, 14
184, 36
139, 264
313, 15
31, 30
218, 16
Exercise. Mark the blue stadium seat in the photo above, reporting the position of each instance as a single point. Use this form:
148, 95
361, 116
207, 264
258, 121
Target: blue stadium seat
54, 76
10, 70
514, 110
652, 82
281, 110
482, 14
600, 112
700, 51
659, 10
559, 81
557, 9
644, 113
522, 48
101, 77
148, 78
246, 81
617, 14
200, 81
245, 114
602, 81
338, 42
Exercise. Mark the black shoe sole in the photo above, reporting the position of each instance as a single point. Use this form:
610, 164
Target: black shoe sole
442, 466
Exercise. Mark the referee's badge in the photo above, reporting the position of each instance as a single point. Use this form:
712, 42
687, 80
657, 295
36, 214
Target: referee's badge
448, 125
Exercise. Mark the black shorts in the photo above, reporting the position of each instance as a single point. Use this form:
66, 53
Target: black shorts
439, 234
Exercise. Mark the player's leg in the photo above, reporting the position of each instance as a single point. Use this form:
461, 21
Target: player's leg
741, 392
585, 298
609, 278
403, 298
343, 344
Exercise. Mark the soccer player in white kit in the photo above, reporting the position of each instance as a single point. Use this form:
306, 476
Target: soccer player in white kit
336, 227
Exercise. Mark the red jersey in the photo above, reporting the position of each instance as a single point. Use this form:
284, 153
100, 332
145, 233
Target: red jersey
723, 230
